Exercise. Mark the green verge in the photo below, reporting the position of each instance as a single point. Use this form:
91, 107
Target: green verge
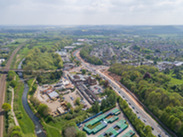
25, 122
51, 131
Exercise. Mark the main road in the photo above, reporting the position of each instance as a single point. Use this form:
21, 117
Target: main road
137, 108
3, 88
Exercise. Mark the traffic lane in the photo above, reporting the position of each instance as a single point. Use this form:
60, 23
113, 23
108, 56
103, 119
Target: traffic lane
142, 114
143, 117
139, 112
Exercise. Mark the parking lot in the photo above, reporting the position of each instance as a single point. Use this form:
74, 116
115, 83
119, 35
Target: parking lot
72, 96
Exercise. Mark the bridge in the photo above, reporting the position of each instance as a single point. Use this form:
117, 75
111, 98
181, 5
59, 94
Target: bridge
4, 71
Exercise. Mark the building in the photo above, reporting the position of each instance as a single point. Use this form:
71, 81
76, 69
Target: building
1, 61
69, 47
91, 81
78, 78
68, 66
53, 95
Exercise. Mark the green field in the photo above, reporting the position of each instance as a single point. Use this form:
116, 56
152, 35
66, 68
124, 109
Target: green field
174, 80
25, 122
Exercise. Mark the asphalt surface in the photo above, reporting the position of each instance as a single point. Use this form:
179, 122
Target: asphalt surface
157, 130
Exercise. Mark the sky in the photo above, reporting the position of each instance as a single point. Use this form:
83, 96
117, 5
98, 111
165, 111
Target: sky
91, 12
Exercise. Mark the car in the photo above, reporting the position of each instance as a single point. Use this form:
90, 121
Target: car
152, 128
159, 135
144, 120
129, 103
123, 96
133, 107
139, 117
119, 91
137, 112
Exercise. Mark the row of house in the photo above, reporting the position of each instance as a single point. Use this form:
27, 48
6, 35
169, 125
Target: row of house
83, 79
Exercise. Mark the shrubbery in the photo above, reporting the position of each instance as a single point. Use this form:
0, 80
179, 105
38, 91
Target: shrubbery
85, 53
141, 128
154, 89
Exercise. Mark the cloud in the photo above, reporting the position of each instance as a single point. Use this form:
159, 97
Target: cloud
59, 12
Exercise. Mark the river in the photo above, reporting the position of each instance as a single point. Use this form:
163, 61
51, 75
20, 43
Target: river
38, 127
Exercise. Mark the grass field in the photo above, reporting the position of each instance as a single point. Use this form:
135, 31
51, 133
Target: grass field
174, 80
51, 131
25, 122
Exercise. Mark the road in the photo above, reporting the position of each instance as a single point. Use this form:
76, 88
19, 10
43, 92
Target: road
134, 105
3, 88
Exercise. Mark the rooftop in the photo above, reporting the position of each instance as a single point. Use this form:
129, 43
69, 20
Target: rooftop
53, 94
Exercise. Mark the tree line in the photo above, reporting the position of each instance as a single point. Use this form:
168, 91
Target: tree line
154, 89
42, 59
85, 54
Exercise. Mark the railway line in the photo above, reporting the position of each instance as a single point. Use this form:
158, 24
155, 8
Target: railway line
3, 88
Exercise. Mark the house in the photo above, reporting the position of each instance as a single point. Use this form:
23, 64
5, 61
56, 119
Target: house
1, 61
68, 66
69, 47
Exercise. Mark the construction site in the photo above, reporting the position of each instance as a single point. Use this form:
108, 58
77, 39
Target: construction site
57, 96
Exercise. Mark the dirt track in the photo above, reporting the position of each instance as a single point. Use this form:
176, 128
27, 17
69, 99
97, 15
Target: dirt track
3, 88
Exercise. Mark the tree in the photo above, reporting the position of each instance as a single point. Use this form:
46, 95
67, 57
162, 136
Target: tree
103, 104
83, 71
16, 134
69, 132
69, 105
147, 75
155, 62
6, 107
96, 107
106, 83
81, 134
13, 83
78, 63
43, 110
178, 76
35, 101
11, 75
167, 71
77, 101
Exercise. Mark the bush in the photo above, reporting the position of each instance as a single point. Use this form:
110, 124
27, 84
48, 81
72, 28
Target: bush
16, 134
43, 110
140, 127
6, 107
13, 83
19, 114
